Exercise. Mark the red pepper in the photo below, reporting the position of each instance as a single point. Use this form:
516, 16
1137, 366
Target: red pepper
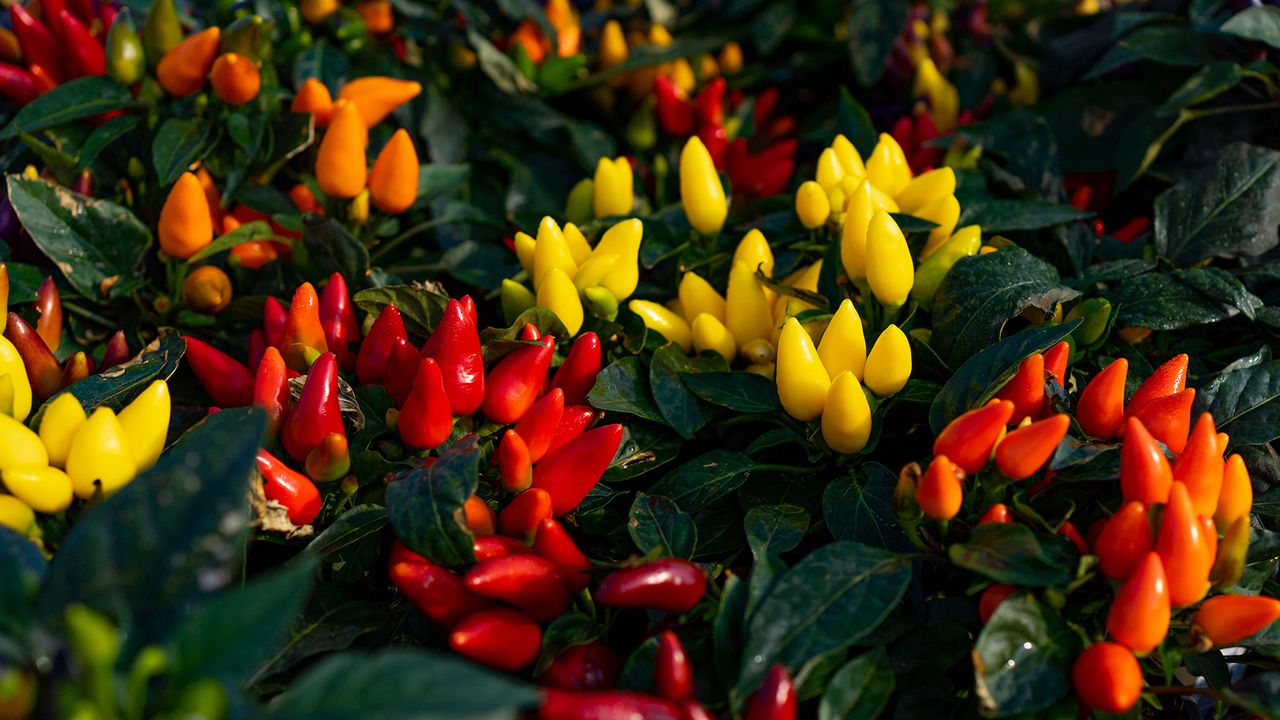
338, 319
77, 367
998, 513
529, 333
693, 710
303, 337
578, 374
710, 102
433, 590
604, 705
1100, 409
455, 345
573, 422
1069, 531
317, 413
371, 363
1132, 230
86, 55
42, 367
540, 422
775, 699
469, 307
969, 439
529, 582
257, 347
590, 666
274, 318
716, 139
766, 103
1168, 379
1145, 475
289, 488
85, 12
1055, 367
229, 383
488, 547
1200, 466
764, 174
514, 383
1183, 549
425, 421
676, 115
1026, 388
1169, 418
330, 460
271, 390
991, 599
904, 133
1125, 539
1025, 450
552, 542
668, 584
925, 157
40, 49
520, 518
500, 638
481, 519
116, 352
672, 673
17, 85
570, 472
513, 463
402, 367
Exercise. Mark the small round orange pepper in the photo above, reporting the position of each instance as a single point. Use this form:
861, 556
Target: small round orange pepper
207, 290
235, 78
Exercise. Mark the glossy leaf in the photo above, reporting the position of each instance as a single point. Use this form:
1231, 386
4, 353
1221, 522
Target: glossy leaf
1014, 554
425, 506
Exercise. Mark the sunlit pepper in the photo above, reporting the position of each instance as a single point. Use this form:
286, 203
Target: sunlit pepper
145, 422
929, 275
812, 205
663, 321
376, 97
291, 489
887, 167
612, 189
393, 181
313, 97
1139, 616
514, 382
100, 456
1181, 545
700, 190
371, 362
183, 69
207, 290
888, 366
578, 374
623, 240
19, 445
303, 338
41, 368
271, 389
426, 420
801, 378
317, 412
340, 161
890, 269
846, 417
186, 224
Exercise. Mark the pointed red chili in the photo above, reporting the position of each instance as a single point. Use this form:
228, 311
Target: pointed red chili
18, 87
1139, 616
371, 363
49, 324
228, 383
604, 705
402, 365
274, 319
1100, 409
469, 307
257, 347
1169, 418
488, 547
529, 333
433, 590
589, 666
991, 599
116, 352
1200, 466
553, 542
668, 584
520, 518
998, 513
77, 367
514, 383
710, 102
303, 337
40, 49
1125, 539
455, 345
1026, 388
513, 463
425, 421
1024, 451
1055, 366
42, 368
499, 638
578, 374
540, 422
672, 673
291, 489
570, 472
573, 422
1183, 549
529, 582
676, 115
775, 699
317, 413
1168, 379
336, 318
1145, 475
330, 460
85, 54
969, 439
271, 390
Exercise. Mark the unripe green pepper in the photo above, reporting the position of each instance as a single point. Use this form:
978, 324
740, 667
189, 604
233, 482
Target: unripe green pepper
642, 129
578, 207
162, 30
249, 37
126, 61
95, 642
929, 274
203, 700
1096, 313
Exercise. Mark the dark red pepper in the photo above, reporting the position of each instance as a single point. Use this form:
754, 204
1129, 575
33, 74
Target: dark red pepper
274, 319
77, 367
17, 85
317, 413
40, 49
338, 320
552, 542
425, 421
589, 666
540, 422
569, 472
371, 363
85, 53
604, 705
455, 345
433, 590
257, 347
672, 673
42, 367
529, 582
775, 699
291, 489
500, 638
578, 374
514, 383
401, 368
229, 383
488, 547
116, 352
668, 584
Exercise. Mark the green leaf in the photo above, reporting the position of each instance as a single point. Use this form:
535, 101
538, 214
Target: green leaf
497, 342
1209, 82
1259, 694
1014, 554
682, 410
402, 683
655, 523
1231, 210
860, 690
1167, 44
859, 507
743, 392
854, 122
425, 505
1001, 216
437, 181
982, 376
1245, 403
1022, 660
103, 136
73, 100
22, 567
330, 249
570, 629
420, 308
829, 600
623, 386
775, 529
1260, 23
149, 552
96, 244
118, 386
982, 293
704, 480
226, 636
177, 144
1181, 299
248, 232
873, 27
645, 446
351, 526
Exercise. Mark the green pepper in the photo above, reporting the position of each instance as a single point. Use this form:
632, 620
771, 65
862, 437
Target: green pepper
126, 61
250, 37
929, 274
162, 31
1096, 315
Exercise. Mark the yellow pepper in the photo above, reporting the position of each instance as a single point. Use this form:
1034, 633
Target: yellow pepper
889, 362
579, 248
731, 58
11, 365
551, 252
887, 167
890, 270
929, 275
924, 189
100, 453
850, 160
945, 211
516, 298
526, 247
613, 192
558, 295
802, 381
806, 278
623, 240
700, 190
846, 419
753, 250
853, 235
843, 346
682, 76
45, 489
601, 302
19, 445
698, 297
58, 427
578, 206
592, 272
711, 334
812, 205
6, 395
145, 422
829, 171
664, 322
17, 515
944, 99
746, 312
1026, 86
613, 45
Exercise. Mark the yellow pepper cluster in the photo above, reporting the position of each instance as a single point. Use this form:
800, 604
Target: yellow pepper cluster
72, 453
568, 275
608, 193
616, 46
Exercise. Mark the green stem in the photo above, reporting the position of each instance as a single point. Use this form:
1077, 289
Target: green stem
398, 240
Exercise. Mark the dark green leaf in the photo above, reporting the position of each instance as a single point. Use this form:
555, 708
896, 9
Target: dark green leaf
437, 181
775, 529
1245, 403
498, 342
1209, 665
425, 506
854, 122
1000, 216
22, 567
1022, 660
1259, 694
873, 28
743, 392
860, 690
645, 446
420, 308
177, 144
700, 482
248, 232
351, 526
330, 249
1167, 44
96, 244
566, 631
1181, 299
682, 410
73, 100
1014, 554
103, 136
859, 507
623, 386
1260, 23
1209, 82
655, 523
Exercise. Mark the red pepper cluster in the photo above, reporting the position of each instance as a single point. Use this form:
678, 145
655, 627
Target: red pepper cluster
62, 46
753, 175
1093, 191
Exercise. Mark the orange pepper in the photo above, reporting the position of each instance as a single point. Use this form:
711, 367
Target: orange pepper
304, 200
340, 163
185, 222
254, 255
393, 181
235, 79
313, 97
376, 97
378, 17
182, 70
207, 290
